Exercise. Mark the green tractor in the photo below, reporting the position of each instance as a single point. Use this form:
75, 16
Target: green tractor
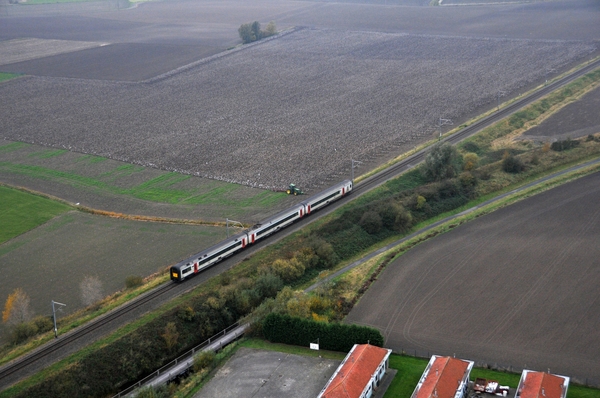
293, 190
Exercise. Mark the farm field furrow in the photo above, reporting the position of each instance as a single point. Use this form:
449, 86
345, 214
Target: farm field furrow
515, 288
294, 109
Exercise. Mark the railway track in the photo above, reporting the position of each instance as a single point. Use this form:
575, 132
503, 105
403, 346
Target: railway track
418, 157
70, 342
81, 332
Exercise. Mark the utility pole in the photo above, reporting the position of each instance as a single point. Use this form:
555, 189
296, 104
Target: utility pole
233, 224
54, 316
499, 94
548, 71
354, 164
443, 122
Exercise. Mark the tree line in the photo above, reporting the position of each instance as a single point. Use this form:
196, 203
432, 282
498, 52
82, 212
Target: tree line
252, 31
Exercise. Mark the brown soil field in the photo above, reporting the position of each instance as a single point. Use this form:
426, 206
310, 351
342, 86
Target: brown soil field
50, 262
20, 50
517, 287
119, 61
575, 120
315, 86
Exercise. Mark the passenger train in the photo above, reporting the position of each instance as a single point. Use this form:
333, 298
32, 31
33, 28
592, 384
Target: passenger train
200, 261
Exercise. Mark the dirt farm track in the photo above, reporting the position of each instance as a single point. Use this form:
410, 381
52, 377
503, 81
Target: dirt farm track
517, 287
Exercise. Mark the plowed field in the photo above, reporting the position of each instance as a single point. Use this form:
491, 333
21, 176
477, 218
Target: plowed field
518, 287
297, 108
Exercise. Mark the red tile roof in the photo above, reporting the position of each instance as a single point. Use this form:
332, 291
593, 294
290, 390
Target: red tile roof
356, 371
540, 385
443, 379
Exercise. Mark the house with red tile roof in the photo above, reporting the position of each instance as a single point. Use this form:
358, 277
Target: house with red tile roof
444, 377
542, 385
359, 374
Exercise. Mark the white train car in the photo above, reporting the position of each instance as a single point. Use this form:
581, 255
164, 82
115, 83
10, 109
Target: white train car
275, 223
208, 257
322, 199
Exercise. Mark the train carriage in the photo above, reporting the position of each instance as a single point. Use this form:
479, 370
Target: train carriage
275, 223
322, 199
208, 257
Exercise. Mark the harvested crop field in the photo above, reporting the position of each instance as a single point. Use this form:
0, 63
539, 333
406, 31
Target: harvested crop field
296, 108
517, 287
49, 262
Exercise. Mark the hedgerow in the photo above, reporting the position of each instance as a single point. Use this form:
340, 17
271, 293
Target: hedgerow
285, 329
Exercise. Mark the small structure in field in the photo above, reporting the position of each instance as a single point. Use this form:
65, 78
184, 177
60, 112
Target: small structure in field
359, 374
444, 377
542, 385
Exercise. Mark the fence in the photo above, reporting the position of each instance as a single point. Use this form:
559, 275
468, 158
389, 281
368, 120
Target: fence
176, 361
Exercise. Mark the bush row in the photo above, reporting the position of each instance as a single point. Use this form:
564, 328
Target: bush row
285, 329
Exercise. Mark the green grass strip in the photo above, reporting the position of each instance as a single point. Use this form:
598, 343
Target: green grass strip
7, 76
21, 212
13, 146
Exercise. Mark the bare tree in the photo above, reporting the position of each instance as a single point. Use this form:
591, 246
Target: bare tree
16, 308
91, 290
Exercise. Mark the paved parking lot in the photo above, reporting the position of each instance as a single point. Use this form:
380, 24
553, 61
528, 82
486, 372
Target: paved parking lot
257, 374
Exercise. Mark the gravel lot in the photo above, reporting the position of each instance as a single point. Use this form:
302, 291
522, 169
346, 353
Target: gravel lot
516, 287
254, 116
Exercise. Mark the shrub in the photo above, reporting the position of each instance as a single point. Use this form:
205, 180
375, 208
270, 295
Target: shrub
288, 270
421, 201
133, 281
204, 360
443, 161
546, 147
268, 285
225, 279
325, 253
186, 313
512, 164
371, 222
154, 392
403, 220
467, 180
170, 335
43, 323
470, 161
471, 147
559, 146
23, 331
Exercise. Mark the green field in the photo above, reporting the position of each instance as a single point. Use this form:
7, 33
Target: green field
6, 76
21, 212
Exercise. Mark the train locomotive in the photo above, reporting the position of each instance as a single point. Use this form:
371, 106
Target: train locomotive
214, 254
